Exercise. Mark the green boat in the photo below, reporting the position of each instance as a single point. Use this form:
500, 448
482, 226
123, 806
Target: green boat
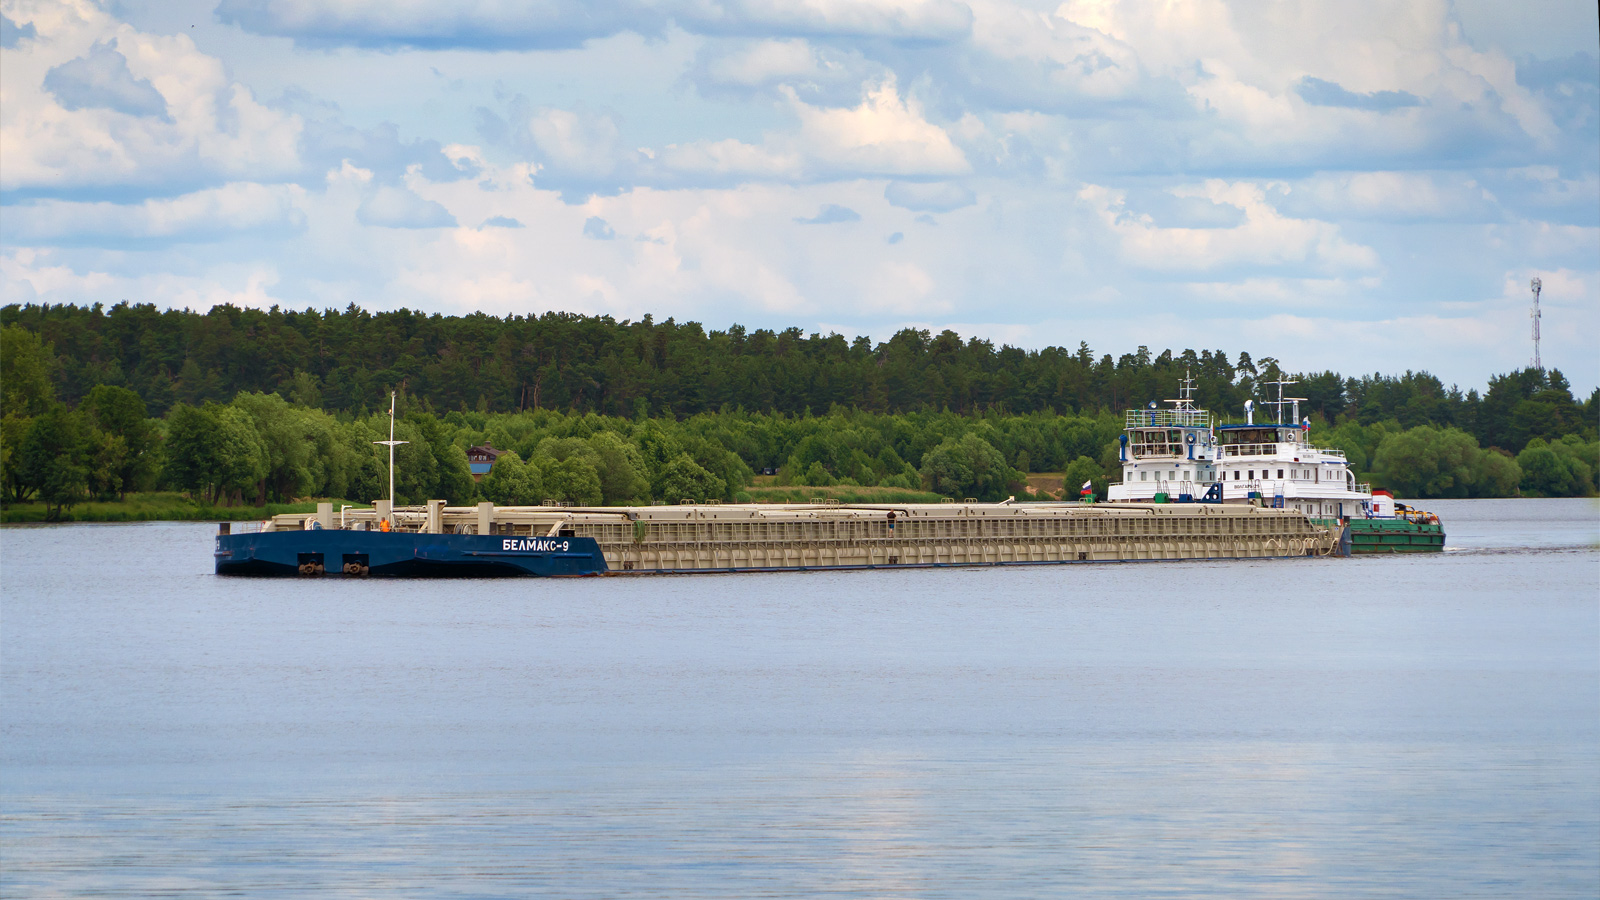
1409, 531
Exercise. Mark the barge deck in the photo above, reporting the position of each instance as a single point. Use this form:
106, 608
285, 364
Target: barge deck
436, 539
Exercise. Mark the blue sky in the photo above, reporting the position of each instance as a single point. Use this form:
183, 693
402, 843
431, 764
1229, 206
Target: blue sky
1359, 186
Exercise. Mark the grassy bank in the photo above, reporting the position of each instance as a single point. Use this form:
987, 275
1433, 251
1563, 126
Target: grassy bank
158, 506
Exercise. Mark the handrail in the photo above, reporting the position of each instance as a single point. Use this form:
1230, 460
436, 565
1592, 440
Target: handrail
1249, 449
1167, 418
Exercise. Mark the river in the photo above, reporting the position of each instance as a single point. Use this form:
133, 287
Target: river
1420, 726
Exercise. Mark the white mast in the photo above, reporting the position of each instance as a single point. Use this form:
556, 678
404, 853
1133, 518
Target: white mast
1282, 401
392, 443
1537, 285
1185, 392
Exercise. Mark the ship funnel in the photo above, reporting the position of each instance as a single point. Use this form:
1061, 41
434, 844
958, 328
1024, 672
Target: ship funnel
1249, 412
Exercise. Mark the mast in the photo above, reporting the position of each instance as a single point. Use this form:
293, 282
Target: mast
1185, 392
1536, 285
1283, 401
391, 443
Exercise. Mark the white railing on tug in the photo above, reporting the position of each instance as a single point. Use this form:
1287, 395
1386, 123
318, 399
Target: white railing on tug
1167, 418
1249, 449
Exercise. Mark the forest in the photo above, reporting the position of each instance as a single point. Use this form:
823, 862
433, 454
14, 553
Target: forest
247, 407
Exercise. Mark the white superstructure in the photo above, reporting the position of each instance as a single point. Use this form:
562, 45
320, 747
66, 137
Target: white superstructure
1181, 453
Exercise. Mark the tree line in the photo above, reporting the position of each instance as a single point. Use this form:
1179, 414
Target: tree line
255, 406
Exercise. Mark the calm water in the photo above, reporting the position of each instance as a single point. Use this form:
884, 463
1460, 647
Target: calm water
1399, 727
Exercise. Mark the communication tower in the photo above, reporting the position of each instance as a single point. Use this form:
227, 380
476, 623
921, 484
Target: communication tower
1537, 286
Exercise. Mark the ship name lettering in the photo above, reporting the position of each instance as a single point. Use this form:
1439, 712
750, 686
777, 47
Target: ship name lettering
538, 545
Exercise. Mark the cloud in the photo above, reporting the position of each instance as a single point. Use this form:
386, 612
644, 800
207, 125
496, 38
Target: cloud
900, 20
94, 104
597, 228
1317, 92
30, 276
831, 214
1307, 86
884, 134
1387, 197
1264, 239
1024, 59
552, 24
326, 140
102, 79
938, 196
208, 215
483, 24
819, 74
501, 222
582, 152
12, 34
398, 207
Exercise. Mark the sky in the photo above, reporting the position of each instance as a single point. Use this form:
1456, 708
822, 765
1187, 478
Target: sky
1361, 186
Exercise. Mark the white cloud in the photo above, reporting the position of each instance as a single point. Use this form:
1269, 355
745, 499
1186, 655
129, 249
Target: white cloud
1246, 66
937, 196
883, 135
489, 24
576, 142
470, 23
31, 276
1027, 59
1388, 196
1265, 238
397, 207
97, 127
206, 215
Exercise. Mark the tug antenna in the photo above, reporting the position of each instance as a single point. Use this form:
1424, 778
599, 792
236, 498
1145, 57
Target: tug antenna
1537, 285
391, 443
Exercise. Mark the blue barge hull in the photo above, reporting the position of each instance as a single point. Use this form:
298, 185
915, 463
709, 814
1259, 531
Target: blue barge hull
410, 554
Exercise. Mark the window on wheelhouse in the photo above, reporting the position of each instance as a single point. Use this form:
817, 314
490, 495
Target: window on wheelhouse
1151, 442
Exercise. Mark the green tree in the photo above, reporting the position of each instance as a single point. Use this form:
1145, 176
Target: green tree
512, 482
27, 366
215, 451
969, 466
816, 475
1554, 470
572, 480
1428, 462
13, 484
620, 467
298, 444
53, 459
1498, 474
1084, 469
124, 440
683, 478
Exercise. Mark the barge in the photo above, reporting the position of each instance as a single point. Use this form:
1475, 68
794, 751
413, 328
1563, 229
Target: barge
486, 540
